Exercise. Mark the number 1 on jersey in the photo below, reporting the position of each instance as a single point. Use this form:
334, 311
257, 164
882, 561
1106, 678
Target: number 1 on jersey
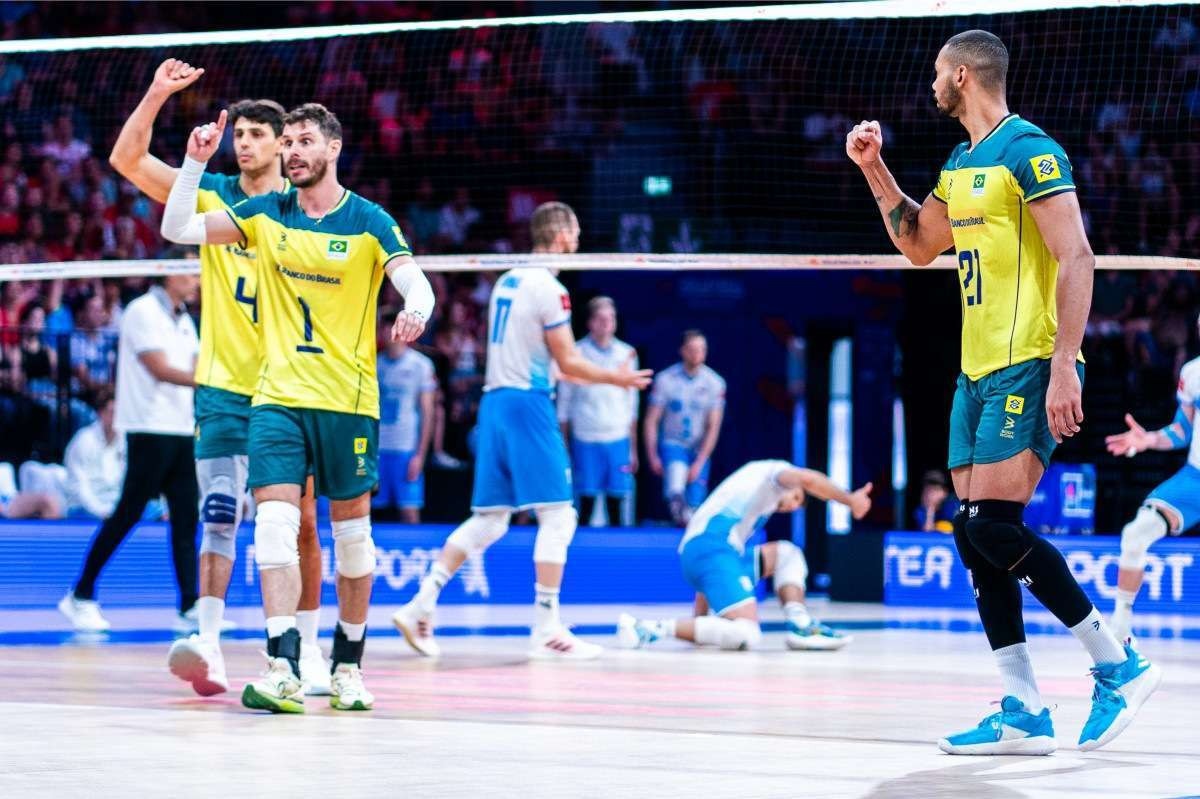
308, 329
969, 260
503, 307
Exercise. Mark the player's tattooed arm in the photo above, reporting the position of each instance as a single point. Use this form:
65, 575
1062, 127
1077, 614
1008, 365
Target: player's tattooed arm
903, 217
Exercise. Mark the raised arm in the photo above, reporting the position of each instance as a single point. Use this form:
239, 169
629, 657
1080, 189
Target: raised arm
921, 231
562, 348
131, 153
1061, 224
820, 486
180, 223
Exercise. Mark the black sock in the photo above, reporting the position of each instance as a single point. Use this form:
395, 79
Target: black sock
586, 506
997, 593
613, 506
286, 646
345, 650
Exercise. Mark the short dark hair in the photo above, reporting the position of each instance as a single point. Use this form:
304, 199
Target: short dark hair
596, 303
101, 397
265, 112
325, 120
548, 220
689, 334
984, 53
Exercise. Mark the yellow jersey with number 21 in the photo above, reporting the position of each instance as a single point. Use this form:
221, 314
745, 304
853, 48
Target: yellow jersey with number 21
318, 285
1006, 274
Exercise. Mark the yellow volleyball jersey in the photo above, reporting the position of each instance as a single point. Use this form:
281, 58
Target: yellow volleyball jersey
229, 357
318, 285
1006, 274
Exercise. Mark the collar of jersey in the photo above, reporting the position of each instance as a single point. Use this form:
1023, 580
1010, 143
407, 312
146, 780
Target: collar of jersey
992, 132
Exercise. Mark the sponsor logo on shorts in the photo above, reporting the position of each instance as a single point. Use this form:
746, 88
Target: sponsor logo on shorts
1014, 405
360, 446
361, 470
1009, 424
1045, 167
337, 249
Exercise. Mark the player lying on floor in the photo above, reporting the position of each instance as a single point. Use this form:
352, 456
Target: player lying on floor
724, 571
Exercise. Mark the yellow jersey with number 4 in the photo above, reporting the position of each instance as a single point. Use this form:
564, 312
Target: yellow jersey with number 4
229, 357
1006, 274
318, 285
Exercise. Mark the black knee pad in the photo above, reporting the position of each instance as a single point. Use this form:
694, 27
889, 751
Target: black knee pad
967, 552
995, 528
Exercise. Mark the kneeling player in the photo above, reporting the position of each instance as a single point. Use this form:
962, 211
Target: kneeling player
723, 570
1171, 508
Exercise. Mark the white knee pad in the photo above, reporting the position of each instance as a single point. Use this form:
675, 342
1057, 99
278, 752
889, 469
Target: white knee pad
353, 547
1146, 528
479, 532
276, 535
730, 634
675, 479
791, 568
556, 528
222, 483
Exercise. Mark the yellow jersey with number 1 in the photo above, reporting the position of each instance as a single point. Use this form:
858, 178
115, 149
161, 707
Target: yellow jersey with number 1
1006, 274
318, 285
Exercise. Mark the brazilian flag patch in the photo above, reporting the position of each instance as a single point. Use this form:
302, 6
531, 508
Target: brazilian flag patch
338, 249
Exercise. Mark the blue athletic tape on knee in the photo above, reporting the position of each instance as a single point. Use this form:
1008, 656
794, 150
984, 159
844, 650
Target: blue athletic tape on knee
276, 535
556, 528
353, 547
479, 532
996, 530
1146, 528
791, 568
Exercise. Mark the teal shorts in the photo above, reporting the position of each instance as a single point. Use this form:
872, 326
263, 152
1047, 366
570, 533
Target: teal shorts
222, 423
340, 450
1002, 414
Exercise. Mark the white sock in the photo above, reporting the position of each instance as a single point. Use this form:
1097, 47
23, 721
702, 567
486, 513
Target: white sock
307, 622
209, 612
278, 625
1098, 640
1122, 617
354, 632
1016, 675
545, 608
797, 614
431, 588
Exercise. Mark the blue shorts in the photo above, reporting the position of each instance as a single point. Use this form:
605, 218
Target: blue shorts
1181, 493
520, 458
714, 568
695, 491
395, 490
601, 467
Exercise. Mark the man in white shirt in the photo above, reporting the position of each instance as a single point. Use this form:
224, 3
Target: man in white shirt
155, 363
407, 391
600, 421
521, 461
688, 400
723, 568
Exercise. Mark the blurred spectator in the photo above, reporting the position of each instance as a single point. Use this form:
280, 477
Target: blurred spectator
95, 465
424, 217
407, 393
457, 218
938, 505
93, 351
39, 363
62, 145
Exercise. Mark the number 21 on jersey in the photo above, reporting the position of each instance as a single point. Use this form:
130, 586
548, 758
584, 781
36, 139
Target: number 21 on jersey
971, 272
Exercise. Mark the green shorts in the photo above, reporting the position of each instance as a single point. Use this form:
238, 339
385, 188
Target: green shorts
340, 450
222, 423
1002, 414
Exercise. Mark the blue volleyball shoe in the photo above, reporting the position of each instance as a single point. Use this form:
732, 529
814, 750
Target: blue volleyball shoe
815, 636
1012, 731
1121, 690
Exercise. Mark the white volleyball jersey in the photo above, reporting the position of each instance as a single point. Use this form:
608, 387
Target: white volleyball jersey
402, 381
1189, 396
600, 412
740, 505
686, 401
525, 304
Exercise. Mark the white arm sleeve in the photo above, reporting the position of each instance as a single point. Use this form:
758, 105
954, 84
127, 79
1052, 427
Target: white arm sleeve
180, 222
413, 286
